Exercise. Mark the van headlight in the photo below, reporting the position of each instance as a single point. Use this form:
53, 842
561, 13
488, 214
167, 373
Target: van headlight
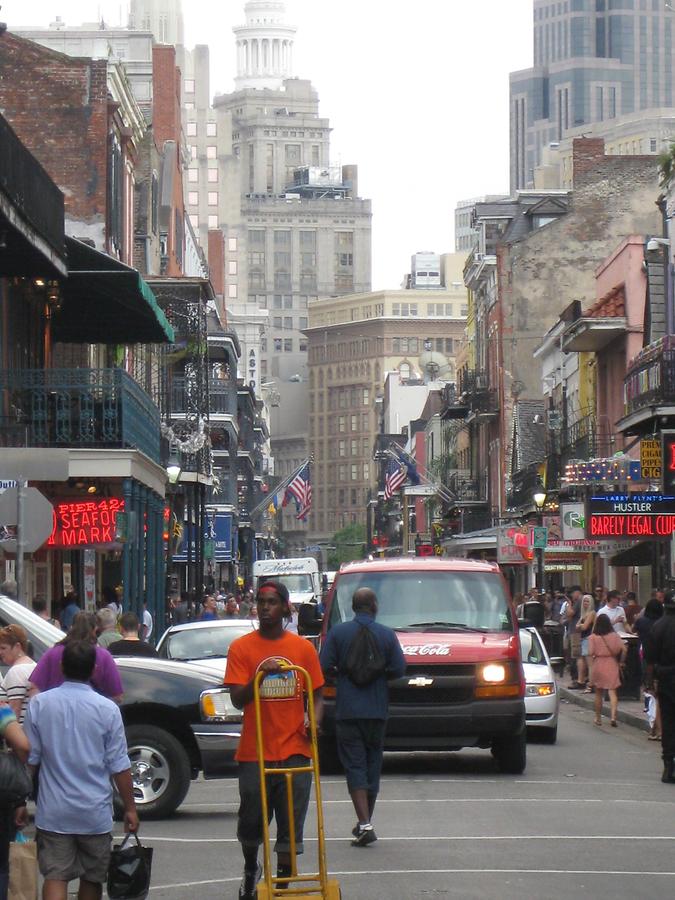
494, 673
216, 706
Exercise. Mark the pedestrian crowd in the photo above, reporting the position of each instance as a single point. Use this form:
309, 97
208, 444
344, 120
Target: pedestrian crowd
217, 605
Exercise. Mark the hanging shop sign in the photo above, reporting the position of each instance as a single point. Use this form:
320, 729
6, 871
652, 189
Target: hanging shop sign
650, 459
637, 516
85, 523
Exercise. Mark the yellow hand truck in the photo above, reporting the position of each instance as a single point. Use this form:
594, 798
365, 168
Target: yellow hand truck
314, 884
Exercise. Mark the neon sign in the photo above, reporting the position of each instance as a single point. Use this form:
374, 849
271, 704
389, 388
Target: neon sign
85, 523
638, 516
668, 456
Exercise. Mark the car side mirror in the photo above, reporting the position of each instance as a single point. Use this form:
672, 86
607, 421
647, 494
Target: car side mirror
310, 620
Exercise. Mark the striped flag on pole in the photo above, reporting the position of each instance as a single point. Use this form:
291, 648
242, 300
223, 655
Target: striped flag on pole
395, 475
300, 489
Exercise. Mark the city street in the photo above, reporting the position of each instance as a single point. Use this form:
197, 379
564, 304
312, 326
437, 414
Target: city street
590, 815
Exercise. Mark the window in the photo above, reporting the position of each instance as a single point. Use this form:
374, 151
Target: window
213, 198
404, 371
366, 472
261, 300
232, 244
189, 85
341, 424
193, 152
366, 396
212, 175
276, 321
354, 447
288, 301
303, 346
193, 175
354, 423
211, 129
464, 309
652, 145
213, 221
288, 345
342, 448
404, 309
277, 301
449, 345
354, 471
232, 291
302, 323
232, 267
193, 198
211, 152
277, 345
192, 129
288, 323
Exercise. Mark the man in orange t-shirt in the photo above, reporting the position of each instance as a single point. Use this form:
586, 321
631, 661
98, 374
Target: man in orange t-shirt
286, 740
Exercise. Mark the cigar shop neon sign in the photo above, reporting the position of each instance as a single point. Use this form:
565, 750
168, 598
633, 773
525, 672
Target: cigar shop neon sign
85, 523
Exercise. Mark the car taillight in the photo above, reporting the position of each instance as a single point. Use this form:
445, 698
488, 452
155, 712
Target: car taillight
501, 678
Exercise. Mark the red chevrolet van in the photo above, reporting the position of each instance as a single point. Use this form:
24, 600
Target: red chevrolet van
463, 685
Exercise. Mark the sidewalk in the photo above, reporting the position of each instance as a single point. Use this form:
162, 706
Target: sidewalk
631, 712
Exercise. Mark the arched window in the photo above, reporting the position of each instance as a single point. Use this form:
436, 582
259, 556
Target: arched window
404, 371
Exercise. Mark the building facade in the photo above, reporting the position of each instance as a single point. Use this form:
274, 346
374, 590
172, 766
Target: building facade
353, 343
594, 62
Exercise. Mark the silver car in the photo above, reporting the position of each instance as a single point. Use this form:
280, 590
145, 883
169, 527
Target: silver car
204, 642
542, 699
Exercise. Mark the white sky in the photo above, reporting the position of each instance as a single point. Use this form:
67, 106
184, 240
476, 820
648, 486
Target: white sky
416, 93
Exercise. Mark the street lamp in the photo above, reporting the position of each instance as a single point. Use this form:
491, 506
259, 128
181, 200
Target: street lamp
539, 501
173, 468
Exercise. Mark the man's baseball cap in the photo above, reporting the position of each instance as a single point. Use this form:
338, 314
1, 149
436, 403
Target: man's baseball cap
281, 589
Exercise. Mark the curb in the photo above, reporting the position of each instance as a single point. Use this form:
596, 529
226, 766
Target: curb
623, 715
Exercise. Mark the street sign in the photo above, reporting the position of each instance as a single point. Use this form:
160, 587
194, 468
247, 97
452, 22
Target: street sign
539, 538
37, 518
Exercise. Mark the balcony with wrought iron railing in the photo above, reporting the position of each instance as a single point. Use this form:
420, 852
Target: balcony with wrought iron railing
30, 190
96, 408
649, 384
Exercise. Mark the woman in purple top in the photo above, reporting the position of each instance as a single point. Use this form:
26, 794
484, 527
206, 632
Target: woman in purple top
106, 678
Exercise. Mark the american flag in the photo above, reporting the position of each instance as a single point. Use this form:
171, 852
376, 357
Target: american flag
300, 489
394, 476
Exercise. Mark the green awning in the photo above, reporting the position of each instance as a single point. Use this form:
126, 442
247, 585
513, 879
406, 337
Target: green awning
106, 302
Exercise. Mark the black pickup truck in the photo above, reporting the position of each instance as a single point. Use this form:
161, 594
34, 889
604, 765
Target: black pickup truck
179, 719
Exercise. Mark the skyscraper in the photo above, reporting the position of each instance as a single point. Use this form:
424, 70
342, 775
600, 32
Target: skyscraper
595, 61
164, 18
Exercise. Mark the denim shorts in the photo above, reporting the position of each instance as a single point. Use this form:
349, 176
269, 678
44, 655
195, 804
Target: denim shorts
584, 646
250, 823
360, 744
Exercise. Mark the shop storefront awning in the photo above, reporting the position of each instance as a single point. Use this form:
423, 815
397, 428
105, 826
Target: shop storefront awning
106, 302
641, 554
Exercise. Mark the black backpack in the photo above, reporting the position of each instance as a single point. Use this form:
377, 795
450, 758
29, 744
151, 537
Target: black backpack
364, 661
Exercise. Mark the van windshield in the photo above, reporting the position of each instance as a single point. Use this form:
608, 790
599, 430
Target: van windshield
429, 601
296, 584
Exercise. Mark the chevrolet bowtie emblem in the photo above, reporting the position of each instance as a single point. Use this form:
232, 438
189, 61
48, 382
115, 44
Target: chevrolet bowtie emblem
420, 681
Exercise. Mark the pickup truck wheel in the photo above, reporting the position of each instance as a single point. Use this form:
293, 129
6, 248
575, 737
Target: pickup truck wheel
511, 753
160, 771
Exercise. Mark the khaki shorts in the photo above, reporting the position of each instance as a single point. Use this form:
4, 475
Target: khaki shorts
64, 857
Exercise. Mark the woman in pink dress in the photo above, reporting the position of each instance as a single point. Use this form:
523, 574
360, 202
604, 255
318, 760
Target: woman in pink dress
608, 653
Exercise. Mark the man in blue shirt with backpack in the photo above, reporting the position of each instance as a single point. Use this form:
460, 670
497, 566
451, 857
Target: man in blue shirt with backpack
363, 655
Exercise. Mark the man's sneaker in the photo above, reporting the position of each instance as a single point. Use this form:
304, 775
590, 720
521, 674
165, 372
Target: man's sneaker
249, 883
364, 835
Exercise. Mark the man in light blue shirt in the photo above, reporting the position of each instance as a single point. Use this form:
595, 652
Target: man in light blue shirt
77, 738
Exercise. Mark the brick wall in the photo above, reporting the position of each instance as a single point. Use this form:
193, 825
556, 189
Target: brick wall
216, 257
58, 106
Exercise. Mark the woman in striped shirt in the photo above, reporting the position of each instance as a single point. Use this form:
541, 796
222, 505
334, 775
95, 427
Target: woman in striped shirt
14, 653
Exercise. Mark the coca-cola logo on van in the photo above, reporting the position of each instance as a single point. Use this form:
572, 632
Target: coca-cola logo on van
427, 650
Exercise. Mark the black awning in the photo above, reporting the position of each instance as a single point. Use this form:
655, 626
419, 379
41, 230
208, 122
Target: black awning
106, 302
641, 554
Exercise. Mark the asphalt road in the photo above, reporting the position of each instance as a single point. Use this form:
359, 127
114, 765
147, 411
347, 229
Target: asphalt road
589, 817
